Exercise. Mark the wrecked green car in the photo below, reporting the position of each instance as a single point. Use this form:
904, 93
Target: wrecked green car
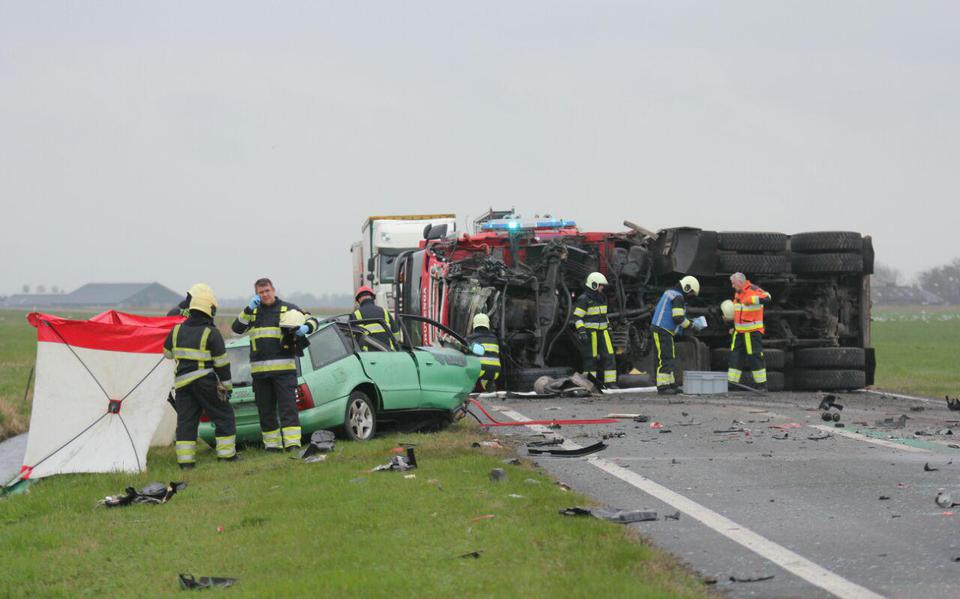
352, 391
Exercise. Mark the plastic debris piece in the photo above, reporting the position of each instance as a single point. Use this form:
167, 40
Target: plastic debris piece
883, 498
891, 422
321, 442
563, 486
471, 554
189, 583
598, 446
781, 436
397, 463
317, 457
152, 493
656, 425
944, 499
531, 481
515, 496
674, 516
498, 475
493, 444
624, 416
751, 578
616, 435
483, 517
786, 426
727, 431
618, 516
409, 476
928, 468
839, 425
819, 437
512, 461
546, 442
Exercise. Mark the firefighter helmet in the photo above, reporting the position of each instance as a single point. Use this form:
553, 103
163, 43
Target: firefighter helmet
481, 320
726, 307
595, 280
292, 319
203, 299
690, 284
364, 290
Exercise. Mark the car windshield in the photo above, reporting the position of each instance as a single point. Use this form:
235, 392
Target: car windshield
240, 366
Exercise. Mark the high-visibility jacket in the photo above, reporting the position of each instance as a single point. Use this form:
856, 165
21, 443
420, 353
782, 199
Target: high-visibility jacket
590, 312
198, 348
670, 314
490, 361
369, 310
270, 351
748, 308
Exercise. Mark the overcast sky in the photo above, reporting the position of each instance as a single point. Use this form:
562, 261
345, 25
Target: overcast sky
222, 141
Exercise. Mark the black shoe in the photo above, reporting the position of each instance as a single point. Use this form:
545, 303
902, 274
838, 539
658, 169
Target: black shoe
187, 466
667, 390
292, 448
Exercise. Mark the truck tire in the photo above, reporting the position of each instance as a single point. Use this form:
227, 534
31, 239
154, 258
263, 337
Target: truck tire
828, 380
743, 241
774, 381
826, 241
776, 359
827, 263
751, 264
522, 379
830, 357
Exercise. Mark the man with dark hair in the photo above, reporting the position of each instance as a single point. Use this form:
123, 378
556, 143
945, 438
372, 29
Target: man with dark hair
273, 364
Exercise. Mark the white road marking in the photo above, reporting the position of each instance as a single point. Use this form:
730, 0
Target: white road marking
783, 557
900, 395
866, 439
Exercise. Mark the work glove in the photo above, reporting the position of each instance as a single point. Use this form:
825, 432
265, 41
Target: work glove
700, 323
223, 393
254, 303
302, 331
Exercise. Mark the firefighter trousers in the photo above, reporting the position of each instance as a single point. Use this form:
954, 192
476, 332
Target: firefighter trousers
746, 354
666, 358
193, 400
488, 378
277, 392
598, 354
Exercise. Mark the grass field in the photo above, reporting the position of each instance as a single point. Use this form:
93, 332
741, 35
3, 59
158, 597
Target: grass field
918, 350
332, 528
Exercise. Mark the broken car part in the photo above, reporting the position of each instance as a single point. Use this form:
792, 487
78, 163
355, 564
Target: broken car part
152, 493
598, 446
189, 583
618, 516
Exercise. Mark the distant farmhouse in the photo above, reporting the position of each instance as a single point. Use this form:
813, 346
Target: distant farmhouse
101, 295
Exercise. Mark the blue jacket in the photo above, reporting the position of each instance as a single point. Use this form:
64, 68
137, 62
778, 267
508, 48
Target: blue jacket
671, 312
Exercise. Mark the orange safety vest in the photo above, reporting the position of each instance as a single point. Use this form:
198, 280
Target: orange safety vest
748, 311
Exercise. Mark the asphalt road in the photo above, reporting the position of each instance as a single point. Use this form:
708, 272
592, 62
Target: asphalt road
808, 512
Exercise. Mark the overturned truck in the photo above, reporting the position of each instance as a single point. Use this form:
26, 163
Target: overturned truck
527, 278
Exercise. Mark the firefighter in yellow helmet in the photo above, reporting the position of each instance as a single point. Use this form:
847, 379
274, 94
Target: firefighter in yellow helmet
183, 308
591, 325
202, 380
490, 361
273, 364
670, 320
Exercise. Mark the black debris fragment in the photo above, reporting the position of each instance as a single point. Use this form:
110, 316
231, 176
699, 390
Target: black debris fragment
674, 516
751, 578
828, 402
928, 468
618, 516
152, 493
641, 418
617, 435
917, 408
321, 442
498, 475
781, 436
471, 554
819, 437
598, 446
189, 583
397, 463
883, 498
512, 461
727, 431
953, 403
546, 442
944, 500
891, 422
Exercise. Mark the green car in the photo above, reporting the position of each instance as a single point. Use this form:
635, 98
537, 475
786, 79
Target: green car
340, 387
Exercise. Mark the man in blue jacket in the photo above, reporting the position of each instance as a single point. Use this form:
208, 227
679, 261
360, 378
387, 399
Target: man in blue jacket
669, 321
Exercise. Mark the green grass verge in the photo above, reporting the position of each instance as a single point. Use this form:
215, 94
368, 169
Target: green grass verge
332, 528
918, 351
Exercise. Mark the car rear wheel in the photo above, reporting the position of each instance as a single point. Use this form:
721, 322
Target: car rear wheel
360, 421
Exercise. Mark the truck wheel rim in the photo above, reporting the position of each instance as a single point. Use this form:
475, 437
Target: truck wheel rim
361, 419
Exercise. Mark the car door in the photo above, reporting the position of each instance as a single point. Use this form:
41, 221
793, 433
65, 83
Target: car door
446, 376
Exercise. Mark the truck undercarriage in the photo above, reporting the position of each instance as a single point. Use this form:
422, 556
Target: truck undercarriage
817, 327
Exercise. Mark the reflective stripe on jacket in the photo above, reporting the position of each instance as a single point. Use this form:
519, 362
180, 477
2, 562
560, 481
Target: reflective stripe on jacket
491, 348
748, 308
198, 348
590, 312
270, 350
670, 313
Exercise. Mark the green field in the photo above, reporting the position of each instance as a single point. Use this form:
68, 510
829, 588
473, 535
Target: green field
918, 350
333, 528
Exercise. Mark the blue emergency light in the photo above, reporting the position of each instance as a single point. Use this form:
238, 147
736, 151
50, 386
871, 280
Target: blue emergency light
514, 224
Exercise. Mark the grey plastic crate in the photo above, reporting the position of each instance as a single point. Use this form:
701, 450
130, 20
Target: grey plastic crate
704, 383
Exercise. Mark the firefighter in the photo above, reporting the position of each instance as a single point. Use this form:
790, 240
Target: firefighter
367, 309
590, 322
669, 320
273, 364
490, 361
746, 348
202, 380
183, 308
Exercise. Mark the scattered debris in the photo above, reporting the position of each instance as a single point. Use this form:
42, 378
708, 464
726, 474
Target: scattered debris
473, 554
618, 516
751, 578
781, 436
727, 431
917, 408
953, 403
493, 444
512, 461
944, 500
819, 437
563, 486
828, 402
321, 443
641, 418
515, 496
152, 493
664, 431
189, 583
786, 426
617, 435
830, 416
839, 425
498, 474
656, 425
483, 517
891, 422
409, 476
598, 446
624, 416
397, 463
883, 498
674, 516
928, 468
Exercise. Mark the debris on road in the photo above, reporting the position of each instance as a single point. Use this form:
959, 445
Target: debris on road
728, 431
674, 516
883, 498
944, 499
928, 468
492, 444
891, 422
546, 442
617, 435
828, 402
819, 437
618, 516
781, 436
581, 451
751, 578
953, 403
152, 493
786, 426
321, 443
189, 583
472, 554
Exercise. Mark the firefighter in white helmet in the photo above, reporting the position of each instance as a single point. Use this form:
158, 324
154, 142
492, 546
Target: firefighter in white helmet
670, 320
183, 308
591, 325
490, 361
202, 380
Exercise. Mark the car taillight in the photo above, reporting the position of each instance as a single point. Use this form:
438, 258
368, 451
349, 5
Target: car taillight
204, 417
304, 399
